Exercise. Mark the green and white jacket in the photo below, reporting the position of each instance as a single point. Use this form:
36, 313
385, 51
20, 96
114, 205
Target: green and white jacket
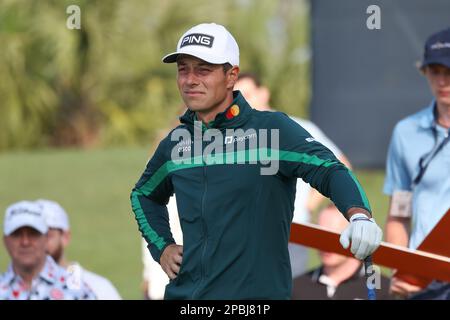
235, 218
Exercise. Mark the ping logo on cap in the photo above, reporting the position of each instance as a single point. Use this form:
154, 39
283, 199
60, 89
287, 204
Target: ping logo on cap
24, 211
197, 39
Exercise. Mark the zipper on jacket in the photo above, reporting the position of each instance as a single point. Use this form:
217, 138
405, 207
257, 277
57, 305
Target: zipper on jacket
205, 234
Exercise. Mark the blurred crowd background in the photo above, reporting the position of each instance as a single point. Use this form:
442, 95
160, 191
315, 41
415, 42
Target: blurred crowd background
81, 109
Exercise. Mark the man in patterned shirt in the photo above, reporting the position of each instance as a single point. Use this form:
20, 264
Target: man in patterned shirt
32, 274
58, 238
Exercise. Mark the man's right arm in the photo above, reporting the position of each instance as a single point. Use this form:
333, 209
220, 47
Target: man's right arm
149, 199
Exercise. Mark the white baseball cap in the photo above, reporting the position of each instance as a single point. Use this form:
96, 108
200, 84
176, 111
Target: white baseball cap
207, 41
24, 214
55, 216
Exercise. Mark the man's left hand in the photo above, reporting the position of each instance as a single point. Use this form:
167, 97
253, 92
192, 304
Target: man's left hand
364, 234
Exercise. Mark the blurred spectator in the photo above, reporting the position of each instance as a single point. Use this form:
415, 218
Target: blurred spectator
338, 277
418, 162
58, 239
307, 199
32, 274
155, 279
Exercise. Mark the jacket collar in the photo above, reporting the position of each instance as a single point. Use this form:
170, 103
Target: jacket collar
234, 116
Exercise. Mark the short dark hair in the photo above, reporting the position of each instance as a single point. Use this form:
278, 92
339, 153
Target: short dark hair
226, 66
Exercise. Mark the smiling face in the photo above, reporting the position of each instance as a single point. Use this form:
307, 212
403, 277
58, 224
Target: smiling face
26, 246
205, 88
439, 80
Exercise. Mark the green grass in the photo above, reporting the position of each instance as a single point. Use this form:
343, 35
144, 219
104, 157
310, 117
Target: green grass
94, 187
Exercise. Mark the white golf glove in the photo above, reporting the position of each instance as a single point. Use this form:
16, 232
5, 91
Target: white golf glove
364, 234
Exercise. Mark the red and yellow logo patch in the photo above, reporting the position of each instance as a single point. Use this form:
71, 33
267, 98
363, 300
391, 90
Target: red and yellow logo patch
232, 112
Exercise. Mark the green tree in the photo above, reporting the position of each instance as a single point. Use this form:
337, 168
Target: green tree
105, 84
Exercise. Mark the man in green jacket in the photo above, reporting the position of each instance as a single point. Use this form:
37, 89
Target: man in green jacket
233, 170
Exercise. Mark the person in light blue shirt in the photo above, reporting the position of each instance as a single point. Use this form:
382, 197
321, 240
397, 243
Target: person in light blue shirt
412, 138
418, 161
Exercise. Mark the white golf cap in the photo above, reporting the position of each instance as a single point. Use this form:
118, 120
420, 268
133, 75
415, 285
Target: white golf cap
55, 216
207, 41
24, 214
